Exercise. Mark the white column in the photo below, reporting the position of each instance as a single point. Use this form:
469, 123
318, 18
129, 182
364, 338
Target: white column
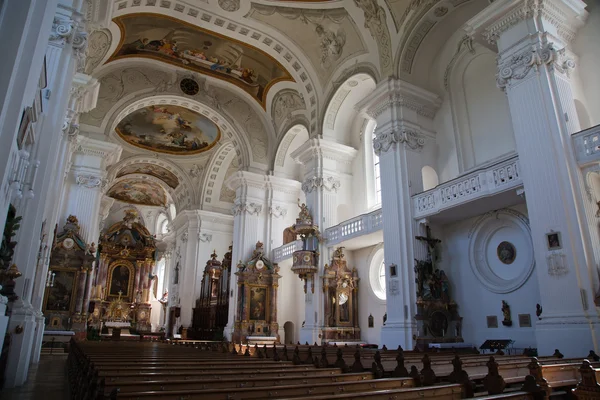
533, 69
404, 115
325, 164
249, 219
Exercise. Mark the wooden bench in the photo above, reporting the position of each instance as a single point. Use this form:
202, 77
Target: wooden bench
588, 388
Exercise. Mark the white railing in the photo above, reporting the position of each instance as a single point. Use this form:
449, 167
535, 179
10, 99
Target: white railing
284, 252
494, 179
357, 226
587, 145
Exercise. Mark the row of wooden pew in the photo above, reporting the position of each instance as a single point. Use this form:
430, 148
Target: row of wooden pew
186, 371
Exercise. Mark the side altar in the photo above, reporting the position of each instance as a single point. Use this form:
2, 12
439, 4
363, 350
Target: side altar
121, 291
438, 321
256, 311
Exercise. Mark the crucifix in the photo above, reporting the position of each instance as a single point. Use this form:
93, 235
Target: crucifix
431, 243
120, 293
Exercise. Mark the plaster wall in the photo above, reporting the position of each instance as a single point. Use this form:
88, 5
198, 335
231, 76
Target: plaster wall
475, 301
290, 305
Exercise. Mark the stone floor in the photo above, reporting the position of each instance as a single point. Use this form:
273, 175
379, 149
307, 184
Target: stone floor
46, 381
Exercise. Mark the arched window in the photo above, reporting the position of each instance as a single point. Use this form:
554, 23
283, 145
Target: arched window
377, 274
162, 223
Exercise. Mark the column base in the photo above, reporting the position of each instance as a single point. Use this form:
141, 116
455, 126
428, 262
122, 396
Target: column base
310, 334
38, 338
22, 332
574, 337
394, 334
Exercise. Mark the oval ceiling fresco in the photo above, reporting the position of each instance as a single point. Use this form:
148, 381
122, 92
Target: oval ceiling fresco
138, 191
153, 170
191, 47
169, 129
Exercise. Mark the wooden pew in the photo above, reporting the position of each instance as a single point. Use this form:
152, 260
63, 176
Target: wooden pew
588, 388
442, 392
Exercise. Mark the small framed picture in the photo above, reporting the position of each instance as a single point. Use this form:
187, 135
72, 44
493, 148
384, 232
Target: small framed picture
393, 270
525, 320
492, 321
554, 240
371, 321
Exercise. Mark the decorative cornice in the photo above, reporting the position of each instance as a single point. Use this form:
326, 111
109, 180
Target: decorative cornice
410, 138
250, 208
395, 93
316, 149
518, 66
329, 183
565, 15
88, 181
277, 211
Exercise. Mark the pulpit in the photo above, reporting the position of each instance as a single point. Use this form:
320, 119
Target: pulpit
256, 311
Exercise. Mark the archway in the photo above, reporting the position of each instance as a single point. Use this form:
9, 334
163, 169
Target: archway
288, 329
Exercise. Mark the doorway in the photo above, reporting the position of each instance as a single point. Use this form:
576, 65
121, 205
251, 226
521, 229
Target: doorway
288, 329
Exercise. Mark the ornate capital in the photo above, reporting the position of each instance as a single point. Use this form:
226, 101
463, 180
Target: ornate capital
62, 29
410, 138
250, 208
278, 211
88, 181
329, 183
519, 65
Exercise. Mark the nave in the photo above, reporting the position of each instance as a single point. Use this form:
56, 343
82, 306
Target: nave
220, 370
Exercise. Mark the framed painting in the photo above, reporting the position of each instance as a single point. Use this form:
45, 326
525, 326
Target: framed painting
121, 277
258, 303
554, 241
60, 297
525, 320
492, 321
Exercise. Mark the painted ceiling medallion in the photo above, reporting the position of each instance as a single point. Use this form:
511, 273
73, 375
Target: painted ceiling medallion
153, 170
139, 191
229, 5
177, 42
169, 129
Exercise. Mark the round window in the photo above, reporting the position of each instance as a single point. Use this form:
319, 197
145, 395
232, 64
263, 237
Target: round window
377, 275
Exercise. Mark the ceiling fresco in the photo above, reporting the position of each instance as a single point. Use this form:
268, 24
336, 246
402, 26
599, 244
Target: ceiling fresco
138, 191
153, 170
169, 129
177, 42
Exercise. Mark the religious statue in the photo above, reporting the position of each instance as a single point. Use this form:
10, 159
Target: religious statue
506, 312
304, 213
432, 243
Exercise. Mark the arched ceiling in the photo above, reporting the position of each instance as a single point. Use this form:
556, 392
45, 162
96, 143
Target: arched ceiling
191, 81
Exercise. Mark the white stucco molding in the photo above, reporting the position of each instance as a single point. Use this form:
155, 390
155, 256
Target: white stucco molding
314, 149
561, 18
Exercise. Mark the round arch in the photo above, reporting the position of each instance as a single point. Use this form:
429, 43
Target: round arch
283, 165
219, 160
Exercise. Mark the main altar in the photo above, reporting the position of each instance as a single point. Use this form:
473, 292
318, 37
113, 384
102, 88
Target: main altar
256, 311
121, 293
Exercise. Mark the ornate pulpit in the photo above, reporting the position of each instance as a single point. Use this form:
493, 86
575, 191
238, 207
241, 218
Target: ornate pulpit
256, 311
68, 278
127, 258
340, 286
305, 261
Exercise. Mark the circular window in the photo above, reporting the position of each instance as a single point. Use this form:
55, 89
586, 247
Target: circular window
377, 275
501, 251
189, 86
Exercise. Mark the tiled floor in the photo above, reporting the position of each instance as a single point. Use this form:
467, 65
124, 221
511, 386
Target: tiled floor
46, 381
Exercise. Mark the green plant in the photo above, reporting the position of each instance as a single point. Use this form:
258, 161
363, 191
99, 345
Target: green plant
7, 249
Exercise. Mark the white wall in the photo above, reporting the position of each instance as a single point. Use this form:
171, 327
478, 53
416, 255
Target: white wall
290, 304
475, 301
368, 303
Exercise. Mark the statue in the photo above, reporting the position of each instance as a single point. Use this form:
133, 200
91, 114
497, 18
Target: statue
431, 245
304, 213
506, 312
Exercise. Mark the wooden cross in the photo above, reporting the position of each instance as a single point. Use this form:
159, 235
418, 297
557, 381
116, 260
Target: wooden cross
120, 293
431, 241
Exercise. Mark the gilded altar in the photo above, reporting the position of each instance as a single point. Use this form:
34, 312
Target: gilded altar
340, 287
256, 311
69, 280
123, 283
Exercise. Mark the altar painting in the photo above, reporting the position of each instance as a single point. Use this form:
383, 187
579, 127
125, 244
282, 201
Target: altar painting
258, 302
169, 129
138, 191
59, 297
121, 281
153, 170
189, 46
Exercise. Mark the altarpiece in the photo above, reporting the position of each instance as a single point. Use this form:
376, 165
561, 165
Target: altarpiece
122, 287
256, 311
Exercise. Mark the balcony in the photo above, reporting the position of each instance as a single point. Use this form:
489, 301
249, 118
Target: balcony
284, 252
364, 224
491, 180
587, 145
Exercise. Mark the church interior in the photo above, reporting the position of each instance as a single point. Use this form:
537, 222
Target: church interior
314, 199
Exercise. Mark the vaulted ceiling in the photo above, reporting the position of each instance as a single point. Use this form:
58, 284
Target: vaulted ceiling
198, 82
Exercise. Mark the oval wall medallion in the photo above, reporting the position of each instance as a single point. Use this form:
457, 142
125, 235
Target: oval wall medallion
501, 250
